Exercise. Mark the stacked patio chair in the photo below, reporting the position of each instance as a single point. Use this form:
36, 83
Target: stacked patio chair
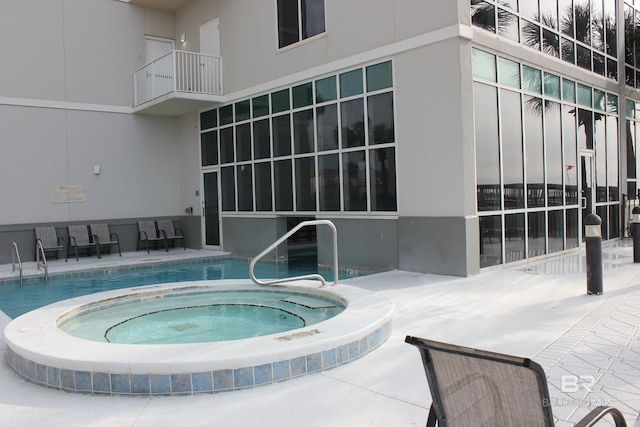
166, 230
79, 239
471, 387
103, 238
50, 241
148, 233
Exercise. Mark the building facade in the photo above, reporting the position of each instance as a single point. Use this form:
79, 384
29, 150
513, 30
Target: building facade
439, 137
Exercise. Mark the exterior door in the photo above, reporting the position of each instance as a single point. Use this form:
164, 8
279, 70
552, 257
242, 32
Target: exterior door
211, 210
209, 45
154, 49
587, 186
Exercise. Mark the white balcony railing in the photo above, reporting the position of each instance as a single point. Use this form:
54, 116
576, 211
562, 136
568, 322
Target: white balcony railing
178, 71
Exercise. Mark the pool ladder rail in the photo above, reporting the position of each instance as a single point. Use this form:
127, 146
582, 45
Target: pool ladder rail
39, 253
15, 258
293, 231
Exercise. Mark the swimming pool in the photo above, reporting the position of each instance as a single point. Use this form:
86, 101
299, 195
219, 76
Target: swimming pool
16, 300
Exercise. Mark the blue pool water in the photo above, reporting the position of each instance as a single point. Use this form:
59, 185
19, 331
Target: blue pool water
16, 300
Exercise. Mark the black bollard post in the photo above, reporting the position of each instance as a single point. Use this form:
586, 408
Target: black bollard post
635, 233
593, 237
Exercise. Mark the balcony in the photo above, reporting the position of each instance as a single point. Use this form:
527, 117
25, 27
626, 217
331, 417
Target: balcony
177, 83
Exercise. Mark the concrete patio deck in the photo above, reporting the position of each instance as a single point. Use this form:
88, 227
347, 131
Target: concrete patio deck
538, 310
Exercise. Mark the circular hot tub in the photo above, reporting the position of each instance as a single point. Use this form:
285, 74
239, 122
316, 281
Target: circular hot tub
40, 351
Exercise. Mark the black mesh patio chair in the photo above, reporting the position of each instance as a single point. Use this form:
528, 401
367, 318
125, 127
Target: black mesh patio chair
471, 387
148, 233
103, 238
166, 230
50, 241
79, 239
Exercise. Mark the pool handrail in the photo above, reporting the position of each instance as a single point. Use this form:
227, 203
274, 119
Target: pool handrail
40, 252
16, 254
290, 233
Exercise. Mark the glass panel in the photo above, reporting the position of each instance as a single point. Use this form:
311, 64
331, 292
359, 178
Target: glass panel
597, 25
243, 142
612, 103
379, 76
487, 147
630, 108
601, 159
629, 76
510, 114
209, 148
512, 4
261, 140
226, 145
354, 171
382, 170
613, 180
288, 28
585, 97
531, 79
536, 231
583, 21
552, 85
549, 13
631, 150
570, 155
568, 51
226, 115
352, 120
553, 138
303, 132
280, 101
572, 228
555, 235
380, 115
585, 129
351, 83
509, 72
327, 120
565, 9
211, 209
514, 237
305, 184
244, 174
208, 119
490, 240
614, 221
598, 64
484, 65
260, 106
243, 110
281, 128
612, 69
508, 25
568, 90
629, 53
531, 34
263, 186
534, 151
483, 15
312, 17
602, 212
583, 57
529, 8
550, 43
302, 95
599, 100
329, 182
283, 185
228, 188
326, 89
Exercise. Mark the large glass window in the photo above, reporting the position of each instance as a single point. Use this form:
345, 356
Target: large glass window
513, 175
381, 126
383, 179
261, 139
327, 118
305, 184
244, 174
226, 145
228, 187
299, 20
487, 146
553, 137
534, 151
352, 121
329, 182
283, 185
243, 142
355, 181
281, 129
209, 148
303, 132
263, 186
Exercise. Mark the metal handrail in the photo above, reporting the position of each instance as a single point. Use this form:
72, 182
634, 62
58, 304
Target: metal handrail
39, 251
16, 254
293, 231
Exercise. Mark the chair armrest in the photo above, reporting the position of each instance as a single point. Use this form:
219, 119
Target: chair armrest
598, 413
114, 234
61, 241
96, 239
143, 235
72, 240
179, 232
162, 233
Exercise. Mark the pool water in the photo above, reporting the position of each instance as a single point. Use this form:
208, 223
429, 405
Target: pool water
16, 300
180, 317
